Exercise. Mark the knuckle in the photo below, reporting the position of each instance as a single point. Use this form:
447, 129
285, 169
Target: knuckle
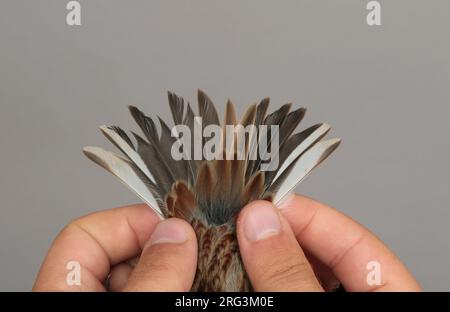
70, 227
75, 224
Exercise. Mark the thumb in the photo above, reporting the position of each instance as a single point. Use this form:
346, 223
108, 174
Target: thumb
271, 254
168, 261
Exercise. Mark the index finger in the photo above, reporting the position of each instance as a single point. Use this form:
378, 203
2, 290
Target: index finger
95, 242
358, 259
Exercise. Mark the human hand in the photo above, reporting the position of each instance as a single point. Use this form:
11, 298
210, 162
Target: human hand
273, 243
104, 242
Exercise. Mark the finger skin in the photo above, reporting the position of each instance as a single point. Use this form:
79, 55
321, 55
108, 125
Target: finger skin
166, 265
323, 273
119, 276
97, 242
345, 246
276, 262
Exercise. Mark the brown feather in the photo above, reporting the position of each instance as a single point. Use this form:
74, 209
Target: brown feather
254, 189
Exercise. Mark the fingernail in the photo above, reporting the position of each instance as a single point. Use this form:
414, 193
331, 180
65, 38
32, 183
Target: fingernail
261, 222
168, 231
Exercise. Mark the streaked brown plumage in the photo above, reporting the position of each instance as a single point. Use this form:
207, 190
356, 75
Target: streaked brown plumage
210, 193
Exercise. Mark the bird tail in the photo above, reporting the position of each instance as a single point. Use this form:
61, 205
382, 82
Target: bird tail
214, 190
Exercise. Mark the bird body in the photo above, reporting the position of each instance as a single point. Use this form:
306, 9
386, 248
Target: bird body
219, 266
209, 193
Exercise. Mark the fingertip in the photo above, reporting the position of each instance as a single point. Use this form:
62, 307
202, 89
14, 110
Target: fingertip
168, 260
272, 257
250, 207
296, 201
286, 202
172, 231
257, 203
259, 220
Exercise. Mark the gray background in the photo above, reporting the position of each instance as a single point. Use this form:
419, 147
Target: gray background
385, 91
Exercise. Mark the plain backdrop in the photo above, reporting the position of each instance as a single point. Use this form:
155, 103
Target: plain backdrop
385, 90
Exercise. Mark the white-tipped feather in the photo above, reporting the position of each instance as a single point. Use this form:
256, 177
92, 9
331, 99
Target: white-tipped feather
121, 169
130, 152
311, 139
307, 162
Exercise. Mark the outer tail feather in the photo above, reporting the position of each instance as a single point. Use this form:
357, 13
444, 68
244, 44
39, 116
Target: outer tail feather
126, 147
124, 171
302, 167
305, 142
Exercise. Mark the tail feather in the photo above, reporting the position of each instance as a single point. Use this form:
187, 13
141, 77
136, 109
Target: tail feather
121, 140
177, 105
179, 167
261, 112
207, 110
274, 119
124, 170
156, 163
229, 119
214, 191
301, 167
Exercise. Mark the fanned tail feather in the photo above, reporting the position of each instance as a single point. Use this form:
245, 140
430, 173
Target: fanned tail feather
214, 190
